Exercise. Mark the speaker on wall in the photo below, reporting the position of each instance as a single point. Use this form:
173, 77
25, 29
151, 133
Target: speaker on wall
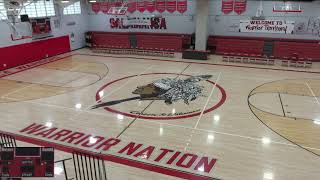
24, 18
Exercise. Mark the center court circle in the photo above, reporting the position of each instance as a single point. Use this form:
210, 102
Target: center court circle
162, 117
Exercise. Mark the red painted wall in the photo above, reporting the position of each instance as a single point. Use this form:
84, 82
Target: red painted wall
21, 54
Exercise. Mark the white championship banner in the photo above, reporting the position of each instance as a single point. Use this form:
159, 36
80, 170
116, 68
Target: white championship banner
267, 26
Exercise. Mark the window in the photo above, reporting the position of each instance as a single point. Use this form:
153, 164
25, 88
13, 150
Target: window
3, 11
50, 8
74, 8
41, 8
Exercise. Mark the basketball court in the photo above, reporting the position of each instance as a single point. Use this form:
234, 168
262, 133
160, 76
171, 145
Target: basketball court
239, 121
123, 114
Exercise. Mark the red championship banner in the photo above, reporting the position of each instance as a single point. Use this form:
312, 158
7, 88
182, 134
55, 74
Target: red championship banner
171, 5
95, 7
160, 6
140, 6
150, 5
227, 6
132, 6
182, 6
240, 6
104, 7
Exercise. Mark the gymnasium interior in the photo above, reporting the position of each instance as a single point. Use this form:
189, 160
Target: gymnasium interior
159, 89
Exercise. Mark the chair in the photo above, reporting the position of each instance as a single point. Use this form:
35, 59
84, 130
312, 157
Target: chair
264, 60
293, 62
225, 58
155, 53
171, 54
245, 58
159, 52
308, 63
301, 62
252, 58
271, 60
238, 59
285, 61
232, 57
165, 53
259, 60
140, 50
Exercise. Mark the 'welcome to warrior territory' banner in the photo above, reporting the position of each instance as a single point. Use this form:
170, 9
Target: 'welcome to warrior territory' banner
267, 26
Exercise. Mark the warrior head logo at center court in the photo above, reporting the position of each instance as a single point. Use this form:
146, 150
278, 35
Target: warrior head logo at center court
169, 90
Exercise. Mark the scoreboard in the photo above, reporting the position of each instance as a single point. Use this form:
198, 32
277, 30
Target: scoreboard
26, 162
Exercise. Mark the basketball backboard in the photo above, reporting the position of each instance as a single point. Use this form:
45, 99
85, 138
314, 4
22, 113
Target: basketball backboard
287, 7
117, 11
19, 30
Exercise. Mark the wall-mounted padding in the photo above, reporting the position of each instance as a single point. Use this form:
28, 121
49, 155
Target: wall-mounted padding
17, 55
151, 41
278, 48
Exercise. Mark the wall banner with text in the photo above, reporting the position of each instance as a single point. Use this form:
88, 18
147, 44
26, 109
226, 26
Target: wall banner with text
267, 26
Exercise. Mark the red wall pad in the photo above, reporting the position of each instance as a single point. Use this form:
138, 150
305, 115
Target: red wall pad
239, 46
17, 55
155, 41
301, 49
110, 40
254, 45
162, 41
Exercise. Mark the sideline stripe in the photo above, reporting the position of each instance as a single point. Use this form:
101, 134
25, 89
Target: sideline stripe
192, 62
69, 54
208, 99
284, 113
115, 159
47, 62
313, 93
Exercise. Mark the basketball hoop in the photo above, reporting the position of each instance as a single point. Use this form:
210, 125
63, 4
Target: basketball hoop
118, 10
259, 13
19, 30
